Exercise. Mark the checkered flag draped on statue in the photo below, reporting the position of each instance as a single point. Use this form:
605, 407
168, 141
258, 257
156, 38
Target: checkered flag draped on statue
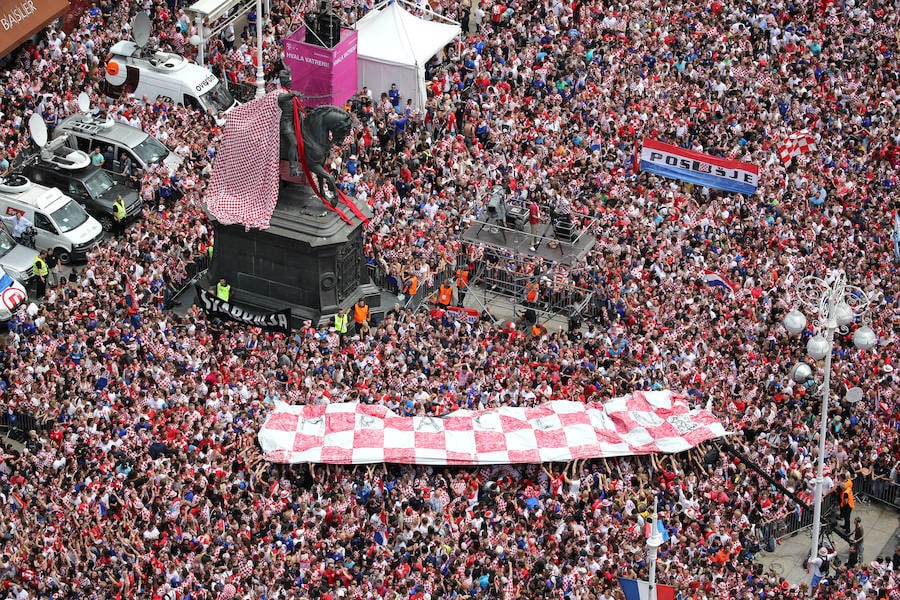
245, 179
796, 144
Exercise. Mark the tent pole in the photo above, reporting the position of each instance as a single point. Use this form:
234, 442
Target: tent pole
202, 53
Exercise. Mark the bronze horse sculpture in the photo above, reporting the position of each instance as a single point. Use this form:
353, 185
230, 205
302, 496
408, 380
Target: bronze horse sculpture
321, 128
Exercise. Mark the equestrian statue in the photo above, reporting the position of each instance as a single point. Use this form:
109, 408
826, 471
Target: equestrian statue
320, 128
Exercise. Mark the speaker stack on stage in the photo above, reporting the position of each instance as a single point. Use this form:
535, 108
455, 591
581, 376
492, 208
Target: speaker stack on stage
516, 216
559, 240
323, 29
563, 228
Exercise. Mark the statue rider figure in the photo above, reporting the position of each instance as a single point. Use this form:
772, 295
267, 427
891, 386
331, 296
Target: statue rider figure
322, 127
288, 132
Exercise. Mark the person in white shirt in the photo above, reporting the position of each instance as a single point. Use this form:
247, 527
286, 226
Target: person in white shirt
820, 565
19, 224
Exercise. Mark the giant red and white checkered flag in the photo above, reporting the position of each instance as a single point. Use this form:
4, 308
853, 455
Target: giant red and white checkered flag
244, 184
558, 431
796, 144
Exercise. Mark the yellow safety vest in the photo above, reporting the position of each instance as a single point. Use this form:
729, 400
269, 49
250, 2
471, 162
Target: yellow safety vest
119, 208
340, 323
40, 267
223, 292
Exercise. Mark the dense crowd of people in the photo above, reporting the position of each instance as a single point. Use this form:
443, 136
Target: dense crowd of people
148, 482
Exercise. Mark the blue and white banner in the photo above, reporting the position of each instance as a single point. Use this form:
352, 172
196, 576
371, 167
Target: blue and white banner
702, 169
714, 279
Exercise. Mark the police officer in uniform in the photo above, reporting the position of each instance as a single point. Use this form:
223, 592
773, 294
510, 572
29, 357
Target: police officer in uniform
341, 321
41, 270
223, 290
119, 215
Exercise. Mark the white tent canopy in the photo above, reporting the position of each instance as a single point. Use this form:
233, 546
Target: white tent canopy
394, 46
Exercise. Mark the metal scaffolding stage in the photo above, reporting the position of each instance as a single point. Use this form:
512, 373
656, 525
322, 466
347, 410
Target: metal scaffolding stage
548, 246
506, 267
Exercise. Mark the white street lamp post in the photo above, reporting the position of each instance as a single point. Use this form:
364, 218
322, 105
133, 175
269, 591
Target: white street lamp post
835, 305
653, 543
260, 73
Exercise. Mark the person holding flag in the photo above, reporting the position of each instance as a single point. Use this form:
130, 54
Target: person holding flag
131, 303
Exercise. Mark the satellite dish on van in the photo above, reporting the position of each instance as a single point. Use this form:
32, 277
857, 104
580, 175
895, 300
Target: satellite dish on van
84, 102
15, 184
141, 28
38, 130
56, 152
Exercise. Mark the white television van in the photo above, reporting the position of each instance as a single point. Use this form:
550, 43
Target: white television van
84, 131
61, 225
146, 72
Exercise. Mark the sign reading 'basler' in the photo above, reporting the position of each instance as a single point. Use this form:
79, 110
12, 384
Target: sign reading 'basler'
699, 168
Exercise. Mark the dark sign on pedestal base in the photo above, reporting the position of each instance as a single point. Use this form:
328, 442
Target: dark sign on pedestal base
279, 321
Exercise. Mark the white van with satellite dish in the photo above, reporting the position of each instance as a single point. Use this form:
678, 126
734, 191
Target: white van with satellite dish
61, 225
135, 68
85, 131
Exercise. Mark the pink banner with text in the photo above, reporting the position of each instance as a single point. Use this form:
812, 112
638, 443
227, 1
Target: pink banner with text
322, 75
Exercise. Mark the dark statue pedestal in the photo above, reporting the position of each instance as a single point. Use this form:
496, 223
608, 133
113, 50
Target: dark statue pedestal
309, 260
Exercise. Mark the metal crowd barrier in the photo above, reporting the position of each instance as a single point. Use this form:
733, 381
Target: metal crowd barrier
194, 270
428, 288
16, 425
799, 519
553, 297
425, 289
880, 490
502, 280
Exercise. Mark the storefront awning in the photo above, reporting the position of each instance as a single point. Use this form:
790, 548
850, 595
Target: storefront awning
20, 19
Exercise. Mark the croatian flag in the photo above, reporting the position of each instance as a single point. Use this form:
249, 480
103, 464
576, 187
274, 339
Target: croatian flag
131, 299
237, 194
635, 589
714, 279
796, 144
674, 162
